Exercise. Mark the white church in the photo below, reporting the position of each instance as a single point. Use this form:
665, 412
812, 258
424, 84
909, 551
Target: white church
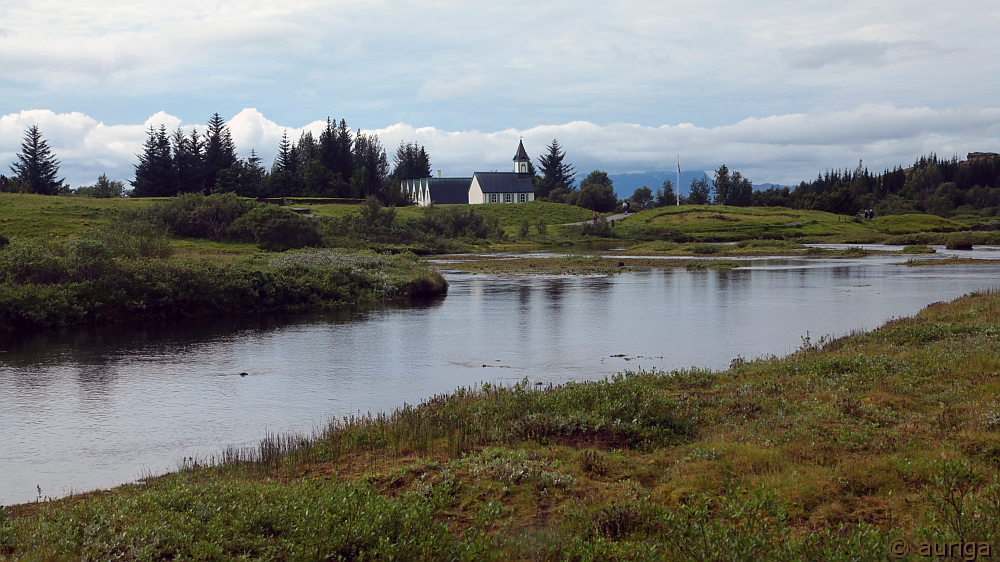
482, 187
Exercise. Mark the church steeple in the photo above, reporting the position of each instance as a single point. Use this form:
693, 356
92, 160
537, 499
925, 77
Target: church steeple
521, 160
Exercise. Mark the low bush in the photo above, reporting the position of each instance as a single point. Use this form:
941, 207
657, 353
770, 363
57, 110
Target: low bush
275, 228
198, 216
959, 241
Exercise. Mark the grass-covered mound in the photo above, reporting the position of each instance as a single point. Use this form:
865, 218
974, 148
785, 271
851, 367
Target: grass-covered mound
121, 277
853, 449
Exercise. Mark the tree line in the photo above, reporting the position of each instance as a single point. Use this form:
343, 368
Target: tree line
341, 163
942, 187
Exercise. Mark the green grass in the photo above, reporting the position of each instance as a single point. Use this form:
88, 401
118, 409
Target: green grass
720, 223
509, 215
830, 453
904, 224
36, 216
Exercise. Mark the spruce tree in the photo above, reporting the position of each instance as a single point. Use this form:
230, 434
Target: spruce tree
220, 151
155, 173
371, 169
411, 162
555, 174
189, 161
36, 166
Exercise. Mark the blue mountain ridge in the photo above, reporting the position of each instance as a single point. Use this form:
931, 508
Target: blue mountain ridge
626, 184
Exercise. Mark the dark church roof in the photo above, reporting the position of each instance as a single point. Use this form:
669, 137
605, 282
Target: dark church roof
521, 153
504, 182
449, 191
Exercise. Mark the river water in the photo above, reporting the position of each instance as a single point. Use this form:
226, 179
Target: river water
95, 407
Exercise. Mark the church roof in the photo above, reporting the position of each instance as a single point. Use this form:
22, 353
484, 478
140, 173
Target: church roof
449, 191
504, 182
521, 154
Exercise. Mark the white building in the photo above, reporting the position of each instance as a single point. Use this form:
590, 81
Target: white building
482, 187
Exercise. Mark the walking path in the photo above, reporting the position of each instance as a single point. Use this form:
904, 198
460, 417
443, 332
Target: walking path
615, 217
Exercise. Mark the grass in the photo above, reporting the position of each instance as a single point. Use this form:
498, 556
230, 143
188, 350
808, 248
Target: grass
35, 216
953, 260
719, 223
831, 453
590, 264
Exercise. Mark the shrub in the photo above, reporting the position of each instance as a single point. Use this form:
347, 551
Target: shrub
704, 249
523, 229
601, 228
275, 228
959, 241
25, 262
200, 216
132, 237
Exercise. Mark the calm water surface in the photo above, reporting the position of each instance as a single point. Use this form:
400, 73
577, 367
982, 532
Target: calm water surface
97, 407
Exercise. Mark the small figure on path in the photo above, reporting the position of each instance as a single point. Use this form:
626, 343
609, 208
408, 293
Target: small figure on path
595, 216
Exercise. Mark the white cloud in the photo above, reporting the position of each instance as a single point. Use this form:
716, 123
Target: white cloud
435, 89
779, 148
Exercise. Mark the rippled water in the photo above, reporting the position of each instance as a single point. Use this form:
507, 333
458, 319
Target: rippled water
99, 406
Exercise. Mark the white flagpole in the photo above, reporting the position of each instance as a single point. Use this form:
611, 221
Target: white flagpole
677, 188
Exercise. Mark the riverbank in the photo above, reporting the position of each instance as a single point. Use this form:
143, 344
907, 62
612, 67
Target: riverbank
89, 281
830, 453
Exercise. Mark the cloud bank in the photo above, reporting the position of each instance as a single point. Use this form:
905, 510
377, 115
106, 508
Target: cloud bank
777, 149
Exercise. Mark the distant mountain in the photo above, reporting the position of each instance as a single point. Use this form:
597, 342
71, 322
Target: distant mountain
626, 184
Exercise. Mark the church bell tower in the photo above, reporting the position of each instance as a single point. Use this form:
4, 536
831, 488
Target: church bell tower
521, 161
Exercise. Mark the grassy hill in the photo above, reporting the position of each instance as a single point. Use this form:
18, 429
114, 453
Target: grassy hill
718, 222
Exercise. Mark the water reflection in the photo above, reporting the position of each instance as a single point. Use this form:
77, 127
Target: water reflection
93, 407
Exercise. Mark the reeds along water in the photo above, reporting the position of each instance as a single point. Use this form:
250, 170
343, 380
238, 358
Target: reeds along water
457, 423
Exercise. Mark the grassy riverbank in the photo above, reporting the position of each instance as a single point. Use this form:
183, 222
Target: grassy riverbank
92, 280
831, 453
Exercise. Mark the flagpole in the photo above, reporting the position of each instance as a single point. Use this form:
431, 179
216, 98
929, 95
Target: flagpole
677, 190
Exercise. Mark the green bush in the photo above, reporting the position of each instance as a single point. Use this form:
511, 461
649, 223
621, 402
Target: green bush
959, 241
199, 216
132, 237
33, 261
275, 228
704, 249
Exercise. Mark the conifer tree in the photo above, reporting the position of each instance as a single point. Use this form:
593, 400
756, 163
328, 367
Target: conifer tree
411, 162
189, 160
371, 169
555, 174
36, 166
252, 176
220, 151
155, 173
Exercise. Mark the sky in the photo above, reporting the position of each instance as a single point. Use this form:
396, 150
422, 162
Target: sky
780, 90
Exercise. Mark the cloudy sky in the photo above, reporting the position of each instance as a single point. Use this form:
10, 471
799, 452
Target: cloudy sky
778, 89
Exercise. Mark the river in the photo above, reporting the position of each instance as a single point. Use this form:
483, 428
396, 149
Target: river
95, 407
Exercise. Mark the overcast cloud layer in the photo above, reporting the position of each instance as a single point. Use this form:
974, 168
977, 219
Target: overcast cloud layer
777, 89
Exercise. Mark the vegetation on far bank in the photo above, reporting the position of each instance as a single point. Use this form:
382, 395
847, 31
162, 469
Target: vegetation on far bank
582, 264
111, 277
832, 453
